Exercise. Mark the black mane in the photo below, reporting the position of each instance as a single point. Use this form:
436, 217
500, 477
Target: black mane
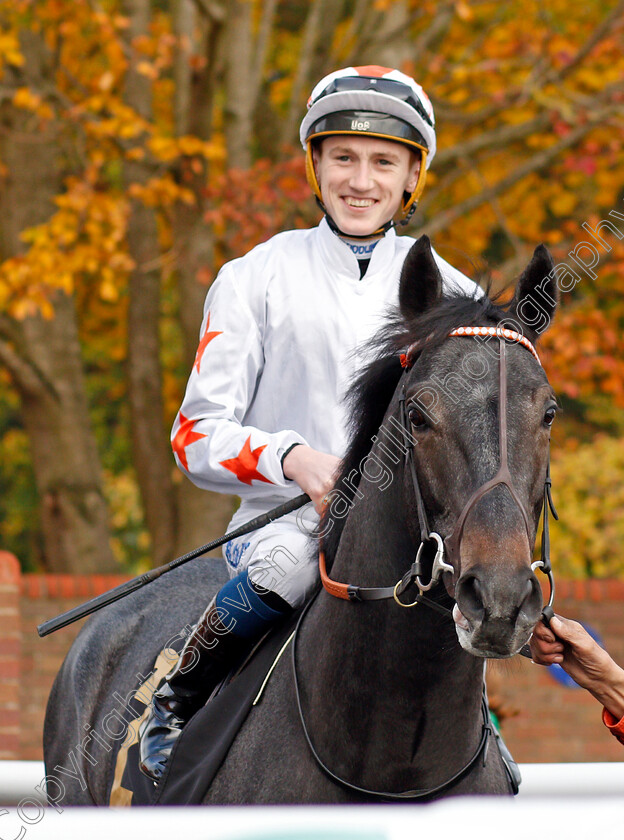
370, 394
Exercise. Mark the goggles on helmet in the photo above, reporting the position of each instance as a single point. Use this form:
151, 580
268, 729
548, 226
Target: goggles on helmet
390, 87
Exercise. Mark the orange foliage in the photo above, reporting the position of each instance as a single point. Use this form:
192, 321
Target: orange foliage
251, 206
529, 102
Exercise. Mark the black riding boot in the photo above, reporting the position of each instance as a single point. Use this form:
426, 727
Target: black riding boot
206, 658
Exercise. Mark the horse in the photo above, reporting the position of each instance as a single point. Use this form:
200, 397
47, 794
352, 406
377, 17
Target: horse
439, 497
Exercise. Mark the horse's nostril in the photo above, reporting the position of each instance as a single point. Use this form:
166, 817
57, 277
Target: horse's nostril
470, 598
532, 597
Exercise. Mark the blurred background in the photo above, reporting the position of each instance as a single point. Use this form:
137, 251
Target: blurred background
142, 144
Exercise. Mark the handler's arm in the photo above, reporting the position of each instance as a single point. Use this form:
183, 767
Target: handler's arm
568, 644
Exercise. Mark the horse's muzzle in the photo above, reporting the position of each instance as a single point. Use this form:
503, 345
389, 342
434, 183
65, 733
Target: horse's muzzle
496, 610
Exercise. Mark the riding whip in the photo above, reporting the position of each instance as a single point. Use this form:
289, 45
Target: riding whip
142, 580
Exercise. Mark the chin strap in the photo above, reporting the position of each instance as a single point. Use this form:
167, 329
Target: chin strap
381, 231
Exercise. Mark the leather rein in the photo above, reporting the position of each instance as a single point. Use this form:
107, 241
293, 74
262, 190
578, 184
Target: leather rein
406, 795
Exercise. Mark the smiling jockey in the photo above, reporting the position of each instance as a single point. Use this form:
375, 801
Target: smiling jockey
283, 335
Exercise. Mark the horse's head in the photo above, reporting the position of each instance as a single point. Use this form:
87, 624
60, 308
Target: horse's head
479, 411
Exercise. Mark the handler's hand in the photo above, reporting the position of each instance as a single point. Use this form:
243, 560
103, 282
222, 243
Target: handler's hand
314, 471
568, 644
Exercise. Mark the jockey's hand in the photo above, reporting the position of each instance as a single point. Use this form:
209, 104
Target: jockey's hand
568, 644
315, 472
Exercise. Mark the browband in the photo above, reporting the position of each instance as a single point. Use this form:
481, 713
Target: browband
407, 358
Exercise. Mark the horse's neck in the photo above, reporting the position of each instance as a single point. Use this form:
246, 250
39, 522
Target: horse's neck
384, 686
377, 544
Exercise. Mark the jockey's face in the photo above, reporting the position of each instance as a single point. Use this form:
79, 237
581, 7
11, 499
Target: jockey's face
362, 180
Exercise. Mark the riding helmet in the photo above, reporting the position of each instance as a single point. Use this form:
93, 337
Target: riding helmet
376, 102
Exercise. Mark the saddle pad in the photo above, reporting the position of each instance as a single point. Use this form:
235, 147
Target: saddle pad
207, 737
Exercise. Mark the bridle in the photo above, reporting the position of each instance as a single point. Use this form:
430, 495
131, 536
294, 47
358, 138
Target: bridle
451, 544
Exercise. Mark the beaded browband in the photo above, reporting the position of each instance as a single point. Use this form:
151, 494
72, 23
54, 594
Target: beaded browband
407, 358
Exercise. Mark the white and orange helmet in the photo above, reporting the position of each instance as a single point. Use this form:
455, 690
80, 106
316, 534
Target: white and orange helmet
376, 102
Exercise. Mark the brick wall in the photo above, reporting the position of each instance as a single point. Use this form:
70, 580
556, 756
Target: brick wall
10, 654
553, 723
28, 664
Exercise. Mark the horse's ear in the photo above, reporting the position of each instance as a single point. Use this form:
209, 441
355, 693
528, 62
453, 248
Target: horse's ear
421, 282
537, 294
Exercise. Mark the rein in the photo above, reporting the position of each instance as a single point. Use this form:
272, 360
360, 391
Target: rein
451, 544
406, 795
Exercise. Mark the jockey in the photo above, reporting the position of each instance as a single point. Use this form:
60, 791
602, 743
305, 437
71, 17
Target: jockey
284, 333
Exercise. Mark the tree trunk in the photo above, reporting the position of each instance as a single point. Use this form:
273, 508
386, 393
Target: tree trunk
49, 377
311, 33
325, 59
44, 356
390, 42
202, 515
150, 444
239, 85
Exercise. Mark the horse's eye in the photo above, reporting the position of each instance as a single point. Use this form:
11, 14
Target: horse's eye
417, 418
549, 415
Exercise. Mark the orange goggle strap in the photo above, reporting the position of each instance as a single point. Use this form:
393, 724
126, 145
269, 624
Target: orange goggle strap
407, 207
311, 174
410, 205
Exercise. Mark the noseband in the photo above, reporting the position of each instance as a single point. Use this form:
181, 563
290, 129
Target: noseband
452, 543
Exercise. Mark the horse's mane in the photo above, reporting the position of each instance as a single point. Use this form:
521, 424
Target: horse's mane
370, 394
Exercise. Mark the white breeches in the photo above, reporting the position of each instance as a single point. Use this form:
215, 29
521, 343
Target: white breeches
281, 557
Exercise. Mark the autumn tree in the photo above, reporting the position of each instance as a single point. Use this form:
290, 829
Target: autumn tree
39, 344
143, 143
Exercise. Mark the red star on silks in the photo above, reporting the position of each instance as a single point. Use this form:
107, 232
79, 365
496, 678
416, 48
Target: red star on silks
205, 341
183, 438
245, 463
